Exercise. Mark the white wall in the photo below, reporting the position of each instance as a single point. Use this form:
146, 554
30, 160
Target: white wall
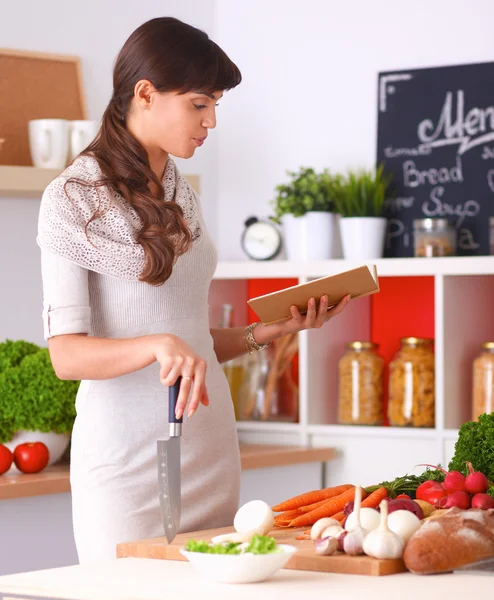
94, 30
309, 91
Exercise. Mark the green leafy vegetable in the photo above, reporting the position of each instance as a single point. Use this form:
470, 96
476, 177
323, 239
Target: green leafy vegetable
408, 483
262, 544
207, 548
32, 397
259, 544
475, 444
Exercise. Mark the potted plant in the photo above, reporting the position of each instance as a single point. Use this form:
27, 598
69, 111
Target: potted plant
35, 406
304, 207
360, 199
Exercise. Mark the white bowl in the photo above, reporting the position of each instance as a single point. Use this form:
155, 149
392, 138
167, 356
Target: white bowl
240, 568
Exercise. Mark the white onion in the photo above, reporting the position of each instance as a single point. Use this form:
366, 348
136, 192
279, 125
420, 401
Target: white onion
255, 516
404, 523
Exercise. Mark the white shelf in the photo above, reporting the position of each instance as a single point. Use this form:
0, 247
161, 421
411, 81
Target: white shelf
267, 426
386, 267
375, 432
451, 434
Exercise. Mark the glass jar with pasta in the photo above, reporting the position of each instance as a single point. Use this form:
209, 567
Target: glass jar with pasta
411, 384
483, 381
361, 385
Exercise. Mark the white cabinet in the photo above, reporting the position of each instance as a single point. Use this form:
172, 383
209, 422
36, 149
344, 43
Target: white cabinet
463, 318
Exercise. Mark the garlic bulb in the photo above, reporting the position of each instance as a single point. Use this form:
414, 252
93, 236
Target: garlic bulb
353, 541
369, 519
382, 542
327, 545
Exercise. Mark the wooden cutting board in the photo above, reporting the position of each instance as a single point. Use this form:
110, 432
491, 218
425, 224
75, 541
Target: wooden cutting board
305, 559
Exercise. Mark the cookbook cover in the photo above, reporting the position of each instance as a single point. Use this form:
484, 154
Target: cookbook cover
358, 282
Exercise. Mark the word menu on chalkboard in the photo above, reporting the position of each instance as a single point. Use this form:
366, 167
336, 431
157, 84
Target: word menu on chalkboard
436, 137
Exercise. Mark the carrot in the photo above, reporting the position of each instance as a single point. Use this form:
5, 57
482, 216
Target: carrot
330, 508
309, 507
311, 497
339, 516
287, 515
374, 500
371, 501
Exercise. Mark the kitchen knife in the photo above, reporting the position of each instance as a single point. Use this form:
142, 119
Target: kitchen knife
169, 483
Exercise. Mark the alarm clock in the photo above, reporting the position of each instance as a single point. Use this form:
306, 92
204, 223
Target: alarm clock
261, 239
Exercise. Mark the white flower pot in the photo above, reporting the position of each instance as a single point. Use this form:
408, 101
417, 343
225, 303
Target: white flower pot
310, 237
55, 442
363, 237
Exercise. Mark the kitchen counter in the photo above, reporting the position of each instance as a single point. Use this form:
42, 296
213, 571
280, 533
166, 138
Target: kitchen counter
55, 479
149, 579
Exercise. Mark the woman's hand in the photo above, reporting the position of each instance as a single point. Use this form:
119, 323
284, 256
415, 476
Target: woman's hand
178, 359
315, 318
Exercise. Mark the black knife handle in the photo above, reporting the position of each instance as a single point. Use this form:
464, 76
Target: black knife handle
172, 402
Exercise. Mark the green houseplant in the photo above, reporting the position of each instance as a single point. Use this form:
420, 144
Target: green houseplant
32, 398
304, 207
360, 197
362, 193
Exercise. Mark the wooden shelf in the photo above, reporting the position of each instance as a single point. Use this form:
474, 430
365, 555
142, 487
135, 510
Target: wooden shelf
30, 182
56, 479
25, 182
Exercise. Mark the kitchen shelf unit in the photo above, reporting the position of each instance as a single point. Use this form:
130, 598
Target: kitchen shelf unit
461, 299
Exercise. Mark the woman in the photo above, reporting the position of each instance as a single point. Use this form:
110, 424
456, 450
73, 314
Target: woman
127, 263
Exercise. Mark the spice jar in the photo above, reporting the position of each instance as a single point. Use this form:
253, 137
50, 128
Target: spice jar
483, 381
434, 237
411, 384
361, 385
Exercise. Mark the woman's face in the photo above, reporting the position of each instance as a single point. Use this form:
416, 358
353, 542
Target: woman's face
173, 123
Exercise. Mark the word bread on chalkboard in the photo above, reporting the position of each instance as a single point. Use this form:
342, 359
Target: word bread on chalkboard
436, 137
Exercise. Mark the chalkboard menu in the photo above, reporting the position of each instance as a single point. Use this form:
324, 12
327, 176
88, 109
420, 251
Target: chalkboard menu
436, 137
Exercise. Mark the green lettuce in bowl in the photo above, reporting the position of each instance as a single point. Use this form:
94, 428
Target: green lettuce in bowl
235, 562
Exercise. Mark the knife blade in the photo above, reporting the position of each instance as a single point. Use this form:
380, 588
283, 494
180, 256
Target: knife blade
169, 480
485, 566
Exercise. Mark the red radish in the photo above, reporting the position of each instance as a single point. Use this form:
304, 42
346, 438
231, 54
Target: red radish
458, 499
430, 491
483, 501
454, 480
476, 482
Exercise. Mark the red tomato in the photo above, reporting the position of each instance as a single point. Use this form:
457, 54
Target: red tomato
31, 457
405, 496
6, 459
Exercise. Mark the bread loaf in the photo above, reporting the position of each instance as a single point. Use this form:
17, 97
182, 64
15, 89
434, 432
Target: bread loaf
456, 539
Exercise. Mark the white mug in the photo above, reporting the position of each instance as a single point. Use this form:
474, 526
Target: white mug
82, 133
49, 142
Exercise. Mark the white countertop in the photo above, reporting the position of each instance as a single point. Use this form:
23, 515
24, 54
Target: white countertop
149, 579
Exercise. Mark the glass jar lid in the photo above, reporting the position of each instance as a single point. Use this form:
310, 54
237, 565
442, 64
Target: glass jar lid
488, 346
361, 345
415, 341
431, 224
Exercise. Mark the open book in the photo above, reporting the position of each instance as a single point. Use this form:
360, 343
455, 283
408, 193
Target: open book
358, 282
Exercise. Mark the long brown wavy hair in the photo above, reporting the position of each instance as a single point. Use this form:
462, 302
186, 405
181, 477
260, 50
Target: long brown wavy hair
174, 57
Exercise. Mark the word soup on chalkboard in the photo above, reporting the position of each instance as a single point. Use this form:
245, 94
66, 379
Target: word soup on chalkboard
436, 137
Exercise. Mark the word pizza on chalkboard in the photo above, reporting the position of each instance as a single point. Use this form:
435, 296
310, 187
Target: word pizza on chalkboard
436, 137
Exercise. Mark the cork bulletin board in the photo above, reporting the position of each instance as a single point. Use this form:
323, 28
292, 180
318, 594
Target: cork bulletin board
35, 86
